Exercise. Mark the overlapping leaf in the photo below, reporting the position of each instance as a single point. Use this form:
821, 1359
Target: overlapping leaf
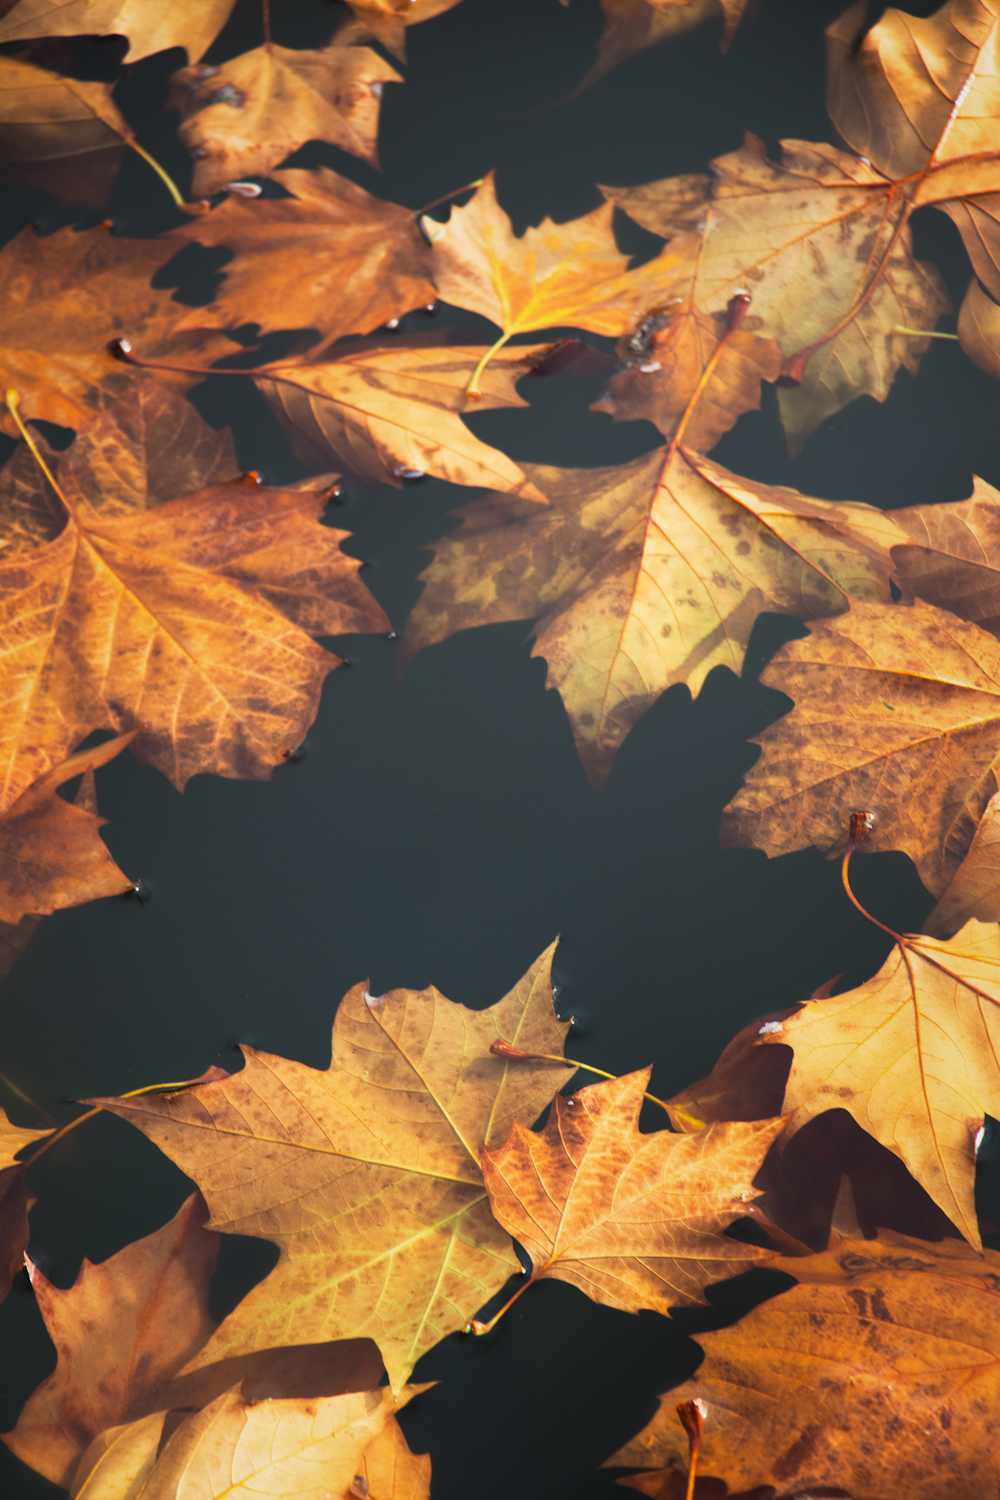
248, 114
878, 1375
386, 21
646, 575
632, 1220
329, 257
367, 1175
13, 1199
979, 329
630, 26
44, 115
149, 25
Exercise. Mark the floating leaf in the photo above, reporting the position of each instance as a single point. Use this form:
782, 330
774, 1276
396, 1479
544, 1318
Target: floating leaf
149, 25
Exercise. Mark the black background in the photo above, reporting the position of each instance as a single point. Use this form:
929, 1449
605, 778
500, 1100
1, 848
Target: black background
441, 829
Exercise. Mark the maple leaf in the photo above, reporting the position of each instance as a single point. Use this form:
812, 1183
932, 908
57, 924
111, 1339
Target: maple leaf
50, 853
920, 98
645, 575
149, 25
193, 619
951, 555
974, 889
554, 274
246, 115
896, 711
44, 115
773, 224
979, 329
666, 360
877, 1375
329, 256
14, 1201
94, 286
309, 1449
630, 26
393, 412
634, 1221
367, 1175
385, 21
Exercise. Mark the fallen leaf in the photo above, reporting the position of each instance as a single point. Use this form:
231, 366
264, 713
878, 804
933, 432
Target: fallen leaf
245, 116
14, 1200
896, 711
951, 556
142, 448
631, 26
329, 257
552, 275
193, 621
919, 97
390, 1470
634, 1221
979, 329
149, 25
44, 115
974, 890
388, 413
51, 855
877, 1376
124, 1328
65, 295
773, 225
367, 1175
663, 361
120, 1460
646, 575
385, 21
309, 1449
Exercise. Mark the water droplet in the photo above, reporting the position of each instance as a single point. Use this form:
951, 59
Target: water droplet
244, 189
979, 1136
392, 636
228, 94
198, 152
770, 1027
376, 89
430, 307
650, 368
374, 1002
392, 323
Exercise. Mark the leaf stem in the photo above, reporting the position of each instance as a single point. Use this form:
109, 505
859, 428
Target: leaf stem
472, 389
480, 1328
504, 1049
922, 333
13, 401
267, 23
445, 197
736, 312
854, 900
164, 176
149, 1088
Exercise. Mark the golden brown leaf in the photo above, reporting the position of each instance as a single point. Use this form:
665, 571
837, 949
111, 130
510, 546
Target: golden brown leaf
119, 1461
554, 274
386, 21
665, 358
951, 557
192, 620
645, 575
149, 25
65, 295
43, 115
122, 1330
920, 98
14, 1201
367, 1175
877, 1375
387, 412
248, 114
329, 257
631, 26
821, 241
50, 853
634, 1221
979, 329
390, 1469
974, 890
896, 711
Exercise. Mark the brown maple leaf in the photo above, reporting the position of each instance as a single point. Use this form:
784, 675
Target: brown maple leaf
44, 115
306, 1449
246, 115
14, 1200
974, 889
896, 711
645, 575
150, 26
630, 26
951, 556
877, 1375
552, 275
329, 256
979, 329
385, 21
634, 1221
366, 1174
93, 286
773, 226
192, 620
51, 855
392, 412
919, 97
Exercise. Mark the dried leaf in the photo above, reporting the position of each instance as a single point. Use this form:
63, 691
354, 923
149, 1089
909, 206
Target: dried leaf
367, 1175
634, 1221
645, 575
43, 115
51, 855
979, 329
192, 620
952, 555
877, 1376
14, 1201
392, 412
122, 1330
329, 257
385, 21
974, 890
390, 1470
149, 25
245, 116
920, 99
118, 1462
631, 26
773, 226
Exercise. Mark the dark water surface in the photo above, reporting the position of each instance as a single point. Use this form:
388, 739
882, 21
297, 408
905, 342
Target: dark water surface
442, 830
